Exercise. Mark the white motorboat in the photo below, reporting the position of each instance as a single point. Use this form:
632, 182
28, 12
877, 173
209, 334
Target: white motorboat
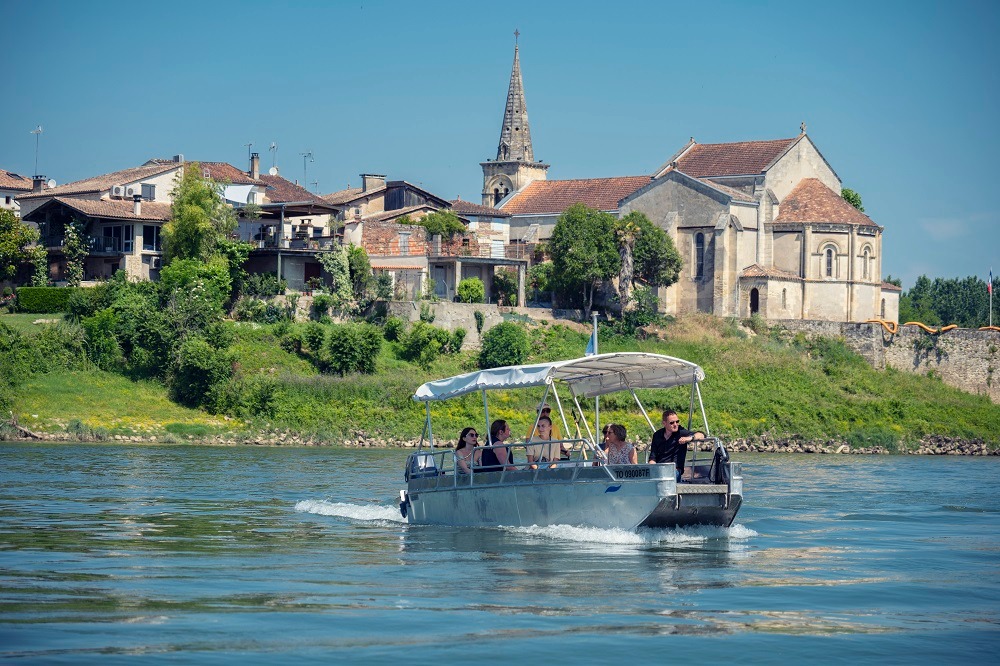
581, 490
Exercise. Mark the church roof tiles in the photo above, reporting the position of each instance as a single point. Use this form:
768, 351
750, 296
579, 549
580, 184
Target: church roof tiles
812, 201
555, 196
468, 208
740, 158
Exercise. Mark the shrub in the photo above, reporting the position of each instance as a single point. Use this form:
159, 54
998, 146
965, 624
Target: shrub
43, 300
102, 344
395, 328
457, 338
471, 290
249, 309
264, 285
209, 281
423, 344
198, 369
427, 314
354, 348
290, 341
480, 320
314, 336
321, 306
504, 344
505, 286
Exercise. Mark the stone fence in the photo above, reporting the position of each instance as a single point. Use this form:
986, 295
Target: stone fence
964, 358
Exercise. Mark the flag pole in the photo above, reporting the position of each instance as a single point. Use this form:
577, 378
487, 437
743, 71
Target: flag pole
597, 400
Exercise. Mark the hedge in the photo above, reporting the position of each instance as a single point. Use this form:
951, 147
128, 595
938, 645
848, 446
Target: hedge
43, 300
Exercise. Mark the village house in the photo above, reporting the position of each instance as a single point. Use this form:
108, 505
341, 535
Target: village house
13, 185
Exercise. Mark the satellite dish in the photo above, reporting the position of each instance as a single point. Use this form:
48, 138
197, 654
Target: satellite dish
273, 171
51, 183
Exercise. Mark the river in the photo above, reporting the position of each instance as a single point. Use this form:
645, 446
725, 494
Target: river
190, 554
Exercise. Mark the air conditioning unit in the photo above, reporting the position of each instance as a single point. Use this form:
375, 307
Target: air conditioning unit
118, 191
132, 190
155, 262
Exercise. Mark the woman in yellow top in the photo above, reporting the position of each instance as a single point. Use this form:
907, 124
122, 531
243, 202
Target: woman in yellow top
545, 451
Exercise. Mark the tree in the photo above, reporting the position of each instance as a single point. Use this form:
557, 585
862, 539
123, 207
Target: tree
504, 344
626, 231
15, 237
657, 261
360, 269
584, 252
505, 286
853, 198
440, 222
338, 270
75, 250
199, 217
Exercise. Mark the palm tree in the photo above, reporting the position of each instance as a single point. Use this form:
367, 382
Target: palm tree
626, 231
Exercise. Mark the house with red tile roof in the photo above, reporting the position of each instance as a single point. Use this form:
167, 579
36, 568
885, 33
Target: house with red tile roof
762, 229
13, 185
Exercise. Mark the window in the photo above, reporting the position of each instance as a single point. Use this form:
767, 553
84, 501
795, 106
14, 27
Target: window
117, 238
151, 238
404, 242
864, 267
496, 196
784, 299
699, 256
148, 192
317, 232
7, 200
829, 262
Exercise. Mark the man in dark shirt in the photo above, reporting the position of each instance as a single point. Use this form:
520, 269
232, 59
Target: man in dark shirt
670, 442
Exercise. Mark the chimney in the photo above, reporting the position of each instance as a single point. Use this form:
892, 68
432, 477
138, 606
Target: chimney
255, 165
369, 181
137, 204
37, 184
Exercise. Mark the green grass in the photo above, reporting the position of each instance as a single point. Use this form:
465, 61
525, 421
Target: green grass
778, 385
25, 323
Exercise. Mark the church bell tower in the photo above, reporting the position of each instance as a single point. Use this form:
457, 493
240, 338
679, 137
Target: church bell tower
515, 165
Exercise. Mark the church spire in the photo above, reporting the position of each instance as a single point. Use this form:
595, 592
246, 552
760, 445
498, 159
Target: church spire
515, 134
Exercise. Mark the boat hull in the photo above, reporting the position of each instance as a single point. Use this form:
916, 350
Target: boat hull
614, 497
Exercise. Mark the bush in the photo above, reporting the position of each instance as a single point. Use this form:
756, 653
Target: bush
102, 344
321, 306
249, 309
457, 338
354, 348
480, 320
43, 300
505, 286
504, 344
471, 290
264, 285
209, 281
423, 344
198, 369
291, 341
395, 328
314, 336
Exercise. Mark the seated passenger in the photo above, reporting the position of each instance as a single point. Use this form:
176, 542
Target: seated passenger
619, 452
545, 451
545, 411
465, 450
499, 458
670, 442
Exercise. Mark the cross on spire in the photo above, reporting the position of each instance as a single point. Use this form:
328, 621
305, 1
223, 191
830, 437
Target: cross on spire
516, 35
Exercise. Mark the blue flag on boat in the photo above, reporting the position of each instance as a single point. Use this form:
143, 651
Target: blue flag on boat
592, 345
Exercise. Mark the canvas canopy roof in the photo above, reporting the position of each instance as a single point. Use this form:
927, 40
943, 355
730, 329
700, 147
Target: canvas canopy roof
588, 376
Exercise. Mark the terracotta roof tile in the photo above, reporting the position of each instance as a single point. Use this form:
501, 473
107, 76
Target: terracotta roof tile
812, 201
105, 181
14, 181
223, 171
739, 195
468, 208
350, 194
888, 286
731, 159
758, 271
555, 196
282, 190
117, 209
392, 214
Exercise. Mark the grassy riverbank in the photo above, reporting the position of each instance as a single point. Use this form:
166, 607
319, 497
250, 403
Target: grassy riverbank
772, 386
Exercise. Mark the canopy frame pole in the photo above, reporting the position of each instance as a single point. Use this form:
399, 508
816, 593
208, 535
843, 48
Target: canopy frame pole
538, 412
701, 405
562, 415
430, 433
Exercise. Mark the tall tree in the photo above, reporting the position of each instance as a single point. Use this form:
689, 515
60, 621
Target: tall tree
199, 217
657, 261
15, 239
853, 198
626, 231
584, 252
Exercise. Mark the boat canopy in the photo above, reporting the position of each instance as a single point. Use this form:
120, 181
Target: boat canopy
587, 377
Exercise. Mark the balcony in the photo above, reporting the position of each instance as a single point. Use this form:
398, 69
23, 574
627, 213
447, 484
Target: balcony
314, 243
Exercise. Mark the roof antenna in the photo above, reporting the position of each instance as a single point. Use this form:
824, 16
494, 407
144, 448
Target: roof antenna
315, 185
249, 145
38, 133
274, 154
308, 155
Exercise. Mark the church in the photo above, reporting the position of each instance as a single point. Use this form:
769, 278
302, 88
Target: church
760, 225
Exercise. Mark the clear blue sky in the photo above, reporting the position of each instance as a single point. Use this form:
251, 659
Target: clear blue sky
901, 97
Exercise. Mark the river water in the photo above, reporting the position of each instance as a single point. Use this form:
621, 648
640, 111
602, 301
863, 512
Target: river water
194, 554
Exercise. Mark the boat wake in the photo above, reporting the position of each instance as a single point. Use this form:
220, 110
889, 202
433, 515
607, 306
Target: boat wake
680, 536
362, 512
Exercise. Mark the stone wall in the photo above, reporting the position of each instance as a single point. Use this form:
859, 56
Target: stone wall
451, 316
964, 358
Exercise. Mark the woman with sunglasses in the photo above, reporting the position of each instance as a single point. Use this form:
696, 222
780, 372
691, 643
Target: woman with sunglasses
465, 451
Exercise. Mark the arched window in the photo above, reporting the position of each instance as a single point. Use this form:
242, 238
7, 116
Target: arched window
754, 301
699, 256
866, 259
784, 299
496, 195
829, 261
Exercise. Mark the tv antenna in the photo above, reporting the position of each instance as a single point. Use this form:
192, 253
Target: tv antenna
38, 133
274, 154
249, 145
306, 157
315, 185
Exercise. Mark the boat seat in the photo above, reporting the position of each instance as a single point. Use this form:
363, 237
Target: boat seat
421, 465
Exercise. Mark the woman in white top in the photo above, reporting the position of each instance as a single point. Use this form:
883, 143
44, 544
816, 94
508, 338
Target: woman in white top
465, 450
545, 451
619, 451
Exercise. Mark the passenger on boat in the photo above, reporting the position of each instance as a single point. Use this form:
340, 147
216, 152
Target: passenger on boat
499, 458
546, 411
620, 452
465, 451
670, 442
545, 451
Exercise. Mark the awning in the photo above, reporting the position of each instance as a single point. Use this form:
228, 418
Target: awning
237, 193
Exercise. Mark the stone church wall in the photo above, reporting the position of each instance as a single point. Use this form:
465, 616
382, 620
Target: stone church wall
964, 358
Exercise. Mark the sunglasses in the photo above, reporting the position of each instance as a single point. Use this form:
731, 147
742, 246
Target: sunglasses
673, 422
474, 434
